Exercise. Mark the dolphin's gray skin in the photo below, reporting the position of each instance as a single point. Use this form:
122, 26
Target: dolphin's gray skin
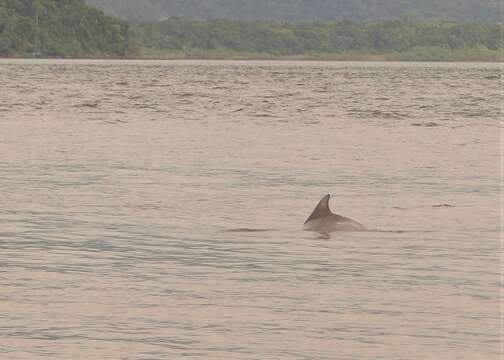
323, 221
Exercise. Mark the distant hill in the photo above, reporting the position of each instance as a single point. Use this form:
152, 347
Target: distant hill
61, 28
318, 29
305, 10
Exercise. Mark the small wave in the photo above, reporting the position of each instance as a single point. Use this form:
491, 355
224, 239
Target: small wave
426, 124
442, 205
247, 230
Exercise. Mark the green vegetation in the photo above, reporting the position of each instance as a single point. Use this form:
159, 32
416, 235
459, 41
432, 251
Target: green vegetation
59, 28
380, 40
69, 28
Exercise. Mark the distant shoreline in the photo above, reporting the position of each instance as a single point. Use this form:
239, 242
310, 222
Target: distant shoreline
493, 56
415, 55
37, 33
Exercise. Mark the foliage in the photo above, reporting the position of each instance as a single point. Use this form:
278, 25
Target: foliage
69, 28
283, 39
59, 28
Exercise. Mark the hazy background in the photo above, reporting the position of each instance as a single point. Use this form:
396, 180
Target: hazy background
304, 10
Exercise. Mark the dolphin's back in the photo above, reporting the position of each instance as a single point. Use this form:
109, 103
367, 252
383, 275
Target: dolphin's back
324, 221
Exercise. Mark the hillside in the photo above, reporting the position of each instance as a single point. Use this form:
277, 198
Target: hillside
397, 39
70, 28
59, 28
305, 10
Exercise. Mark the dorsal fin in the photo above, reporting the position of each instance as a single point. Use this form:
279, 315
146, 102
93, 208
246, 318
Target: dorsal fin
321, 210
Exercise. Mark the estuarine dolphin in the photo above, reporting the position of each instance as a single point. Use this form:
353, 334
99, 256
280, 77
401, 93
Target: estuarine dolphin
322, 220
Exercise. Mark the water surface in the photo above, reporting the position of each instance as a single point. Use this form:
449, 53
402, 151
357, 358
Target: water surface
121, 180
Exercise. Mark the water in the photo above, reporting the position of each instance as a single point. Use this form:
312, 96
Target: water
120, 183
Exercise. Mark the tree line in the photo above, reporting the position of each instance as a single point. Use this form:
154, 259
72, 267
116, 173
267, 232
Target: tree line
280, 38
70, 28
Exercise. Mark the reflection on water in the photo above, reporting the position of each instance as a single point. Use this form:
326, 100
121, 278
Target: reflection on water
130, 192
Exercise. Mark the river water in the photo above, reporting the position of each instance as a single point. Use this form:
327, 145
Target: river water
129, 192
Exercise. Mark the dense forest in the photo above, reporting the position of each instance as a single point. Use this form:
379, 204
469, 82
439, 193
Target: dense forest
281, 39
59, 28
305, 10
70, 28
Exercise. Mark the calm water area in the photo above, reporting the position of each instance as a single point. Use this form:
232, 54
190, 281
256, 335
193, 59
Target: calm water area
130, 192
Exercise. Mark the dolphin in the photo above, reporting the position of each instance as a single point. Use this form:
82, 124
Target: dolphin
323, 221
